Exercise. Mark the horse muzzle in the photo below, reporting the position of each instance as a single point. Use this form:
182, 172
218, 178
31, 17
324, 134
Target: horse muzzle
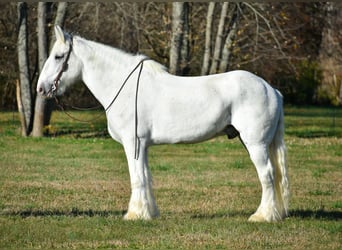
47, 90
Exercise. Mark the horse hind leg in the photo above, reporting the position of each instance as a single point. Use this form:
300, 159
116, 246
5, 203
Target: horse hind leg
269, 209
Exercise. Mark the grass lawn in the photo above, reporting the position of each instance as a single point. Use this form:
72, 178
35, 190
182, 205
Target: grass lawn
70, 190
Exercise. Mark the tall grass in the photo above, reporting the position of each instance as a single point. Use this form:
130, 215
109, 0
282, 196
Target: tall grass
70, 190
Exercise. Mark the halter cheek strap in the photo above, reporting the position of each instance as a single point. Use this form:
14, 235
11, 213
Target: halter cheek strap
64, 68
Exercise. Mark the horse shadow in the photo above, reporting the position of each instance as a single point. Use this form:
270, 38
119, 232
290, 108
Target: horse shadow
316, 214
319, 214
74, 212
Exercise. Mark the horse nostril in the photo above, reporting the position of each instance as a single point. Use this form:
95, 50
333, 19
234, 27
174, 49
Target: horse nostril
40, 90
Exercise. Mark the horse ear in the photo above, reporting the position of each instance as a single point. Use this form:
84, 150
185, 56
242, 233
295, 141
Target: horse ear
59, 34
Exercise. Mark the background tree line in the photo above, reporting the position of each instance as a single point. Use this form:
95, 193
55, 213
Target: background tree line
294, 46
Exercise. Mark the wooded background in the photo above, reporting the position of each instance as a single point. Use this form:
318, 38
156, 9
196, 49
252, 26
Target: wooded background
297, 47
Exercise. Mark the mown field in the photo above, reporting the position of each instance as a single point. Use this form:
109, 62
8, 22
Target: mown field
70, 190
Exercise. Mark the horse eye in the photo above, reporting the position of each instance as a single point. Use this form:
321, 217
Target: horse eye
59, 57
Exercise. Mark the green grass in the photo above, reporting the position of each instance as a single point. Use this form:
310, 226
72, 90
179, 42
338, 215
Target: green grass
70, 190
313, 122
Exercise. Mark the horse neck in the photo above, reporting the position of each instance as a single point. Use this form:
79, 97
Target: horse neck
104, 68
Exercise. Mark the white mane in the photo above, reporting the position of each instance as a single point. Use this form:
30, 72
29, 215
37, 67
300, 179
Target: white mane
116, 58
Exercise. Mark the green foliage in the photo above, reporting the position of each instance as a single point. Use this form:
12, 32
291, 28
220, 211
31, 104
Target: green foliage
310, 76
302, 88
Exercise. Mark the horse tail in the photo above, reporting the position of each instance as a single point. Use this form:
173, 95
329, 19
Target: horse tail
278, 158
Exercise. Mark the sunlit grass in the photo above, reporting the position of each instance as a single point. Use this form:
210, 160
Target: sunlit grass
70, 190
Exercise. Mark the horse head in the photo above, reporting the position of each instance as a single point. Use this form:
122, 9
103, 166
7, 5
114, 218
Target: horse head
61, 69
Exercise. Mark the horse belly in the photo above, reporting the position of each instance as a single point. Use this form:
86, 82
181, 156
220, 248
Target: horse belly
191, 123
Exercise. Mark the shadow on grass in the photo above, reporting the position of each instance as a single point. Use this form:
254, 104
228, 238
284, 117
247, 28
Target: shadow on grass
228, 214
72, 213
316, 214
301, 214
308, 134
79, 133
314, 111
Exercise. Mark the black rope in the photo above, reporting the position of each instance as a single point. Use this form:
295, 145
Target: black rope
136, 138
83, 109
60, 105
124, 83
64, 68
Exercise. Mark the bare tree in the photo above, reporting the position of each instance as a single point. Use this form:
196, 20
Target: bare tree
208, 36
40, 106
60, 17
43, 106
232, 31
185, 49
227, 29
219, 39
331, 51
263, 36
24, 94
179, 50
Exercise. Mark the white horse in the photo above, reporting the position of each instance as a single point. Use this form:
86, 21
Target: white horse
145, 105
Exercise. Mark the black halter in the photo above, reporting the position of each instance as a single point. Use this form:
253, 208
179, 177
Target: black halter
64, 68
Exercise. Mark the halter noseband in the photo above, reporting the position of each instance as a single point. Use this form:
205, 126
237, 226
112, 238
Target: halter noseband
64, 68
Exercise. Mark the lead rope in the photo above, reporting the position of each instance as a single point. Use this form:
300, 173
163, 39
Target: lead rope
61, 106
124, 83
136, 137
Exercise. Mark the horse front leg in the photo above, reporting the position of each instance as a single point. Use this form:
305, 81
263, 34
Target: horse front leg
152, 206
142, 204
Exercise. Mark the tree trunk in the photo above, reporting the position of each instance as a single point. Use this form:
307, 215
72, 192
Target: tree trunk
61, 13
228, 46
207, 49
20, 109
43, 106
40, 106
24, 75
219, 39
185, 49
179, 41
59, 19
331, 50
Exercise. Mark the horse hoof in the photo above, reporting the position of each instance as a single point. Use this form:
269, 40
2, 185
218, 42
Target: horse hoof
135, 216
132, 216
257, 218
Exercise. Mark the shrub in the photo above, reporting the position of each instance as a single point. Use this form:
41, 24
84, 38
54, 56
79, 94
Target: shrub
302, 87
